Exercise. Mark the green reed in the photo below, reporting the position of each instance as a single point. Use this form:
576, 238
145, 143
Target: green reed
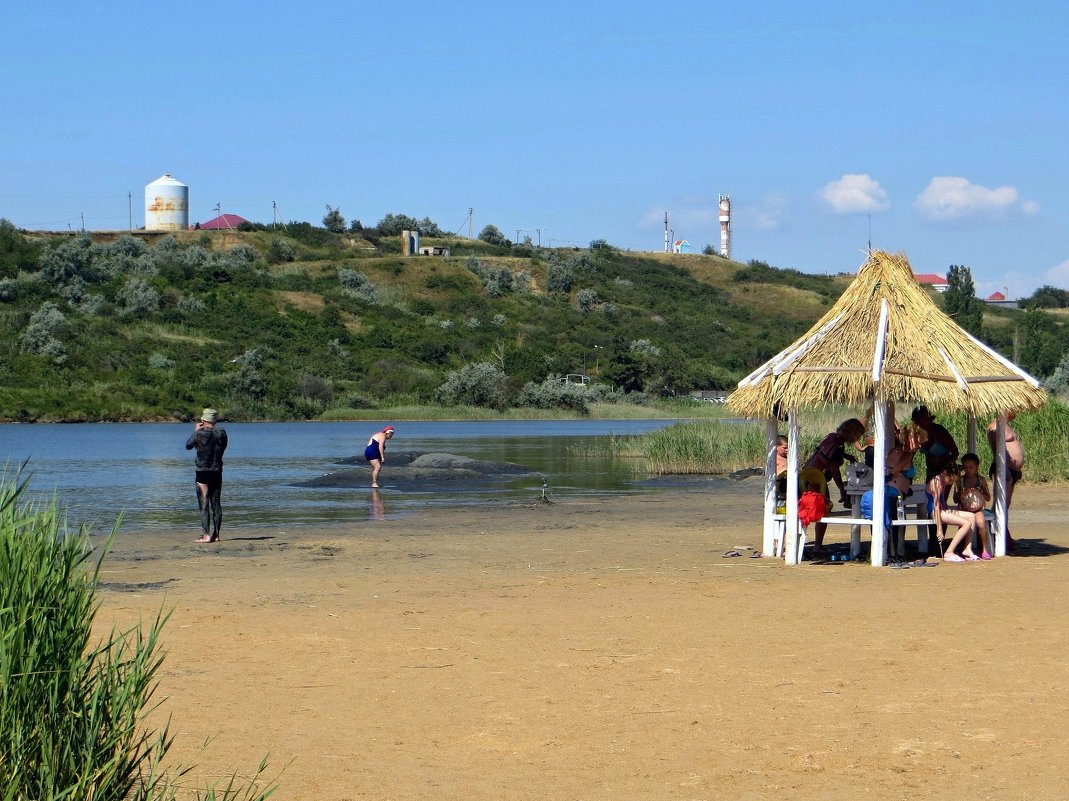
73, 712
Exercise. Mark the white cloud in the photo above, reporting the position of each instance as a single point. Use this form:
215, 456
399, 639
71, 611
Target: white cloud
948, 198
1058, 275
855, 194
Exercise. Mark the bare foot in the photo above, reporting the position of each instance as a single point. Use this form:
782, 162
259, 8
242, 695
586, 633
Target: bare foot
206, 538
374, 486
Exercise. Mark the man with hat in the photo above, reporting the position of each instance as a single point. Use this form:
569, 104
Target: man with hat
375, 452
210, 443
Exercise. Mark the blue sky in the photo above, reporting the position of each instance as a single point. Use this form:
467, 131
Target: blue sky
945, 124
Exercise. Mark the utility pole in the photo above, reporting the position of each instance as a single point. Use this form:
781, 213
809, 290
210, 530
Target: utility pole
471, 222
539, 236
130, 208
672, 239
666, 232
517, 240
83, 222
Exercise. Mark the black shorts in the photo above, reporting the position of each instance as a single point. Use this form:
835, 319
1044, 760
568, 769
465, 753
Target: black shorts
1012, 475
213, 478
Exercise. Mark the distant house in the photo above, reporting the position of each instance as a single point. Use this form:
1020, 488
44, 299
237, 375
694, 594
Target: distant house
224, 222
433, 250
998, 299
936, 282
681, 246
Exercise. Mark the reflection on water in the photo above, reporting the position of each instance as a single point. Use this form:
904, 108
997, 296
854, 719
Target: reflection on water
143, 470
377, 509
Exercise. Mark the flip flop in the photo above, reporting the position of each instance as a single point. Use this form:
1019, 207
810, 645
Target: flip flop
953, 557
756, 555
732, 553
899, 566
973, 558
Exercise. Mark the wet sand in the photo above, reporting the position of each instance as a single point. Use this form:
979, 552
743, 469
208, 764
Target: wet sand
606, 649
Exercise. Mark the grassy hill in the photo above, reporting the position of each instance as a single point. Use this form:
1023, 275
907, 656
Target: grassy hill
305, 323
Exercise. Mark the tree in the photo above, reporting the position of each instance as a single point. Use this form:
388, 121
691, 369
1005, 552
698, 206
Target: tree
479, 384
333, 221
491, 235
960, 301
1047, 297
393, 224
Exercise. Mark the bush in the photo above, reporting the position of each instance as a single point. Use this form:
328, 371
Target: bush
586, 300
72, 714
560, 277
138, 298
357, 285
40, 339
480, 384
554, 394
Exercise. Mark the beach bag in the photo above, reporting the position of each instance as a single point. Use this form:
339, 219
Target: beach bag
971, 500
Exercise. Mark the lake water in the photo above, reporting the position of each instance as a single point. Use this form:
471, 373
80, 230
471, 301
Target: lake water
143, 470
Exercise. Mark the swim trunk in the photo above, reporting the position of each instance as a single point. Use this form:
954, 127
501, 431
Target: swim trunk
213, 478
1012, 474
372, 452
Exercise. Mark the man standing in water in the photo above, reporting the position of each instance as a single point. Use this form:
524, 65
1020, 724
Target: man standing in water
210, 443
375, 453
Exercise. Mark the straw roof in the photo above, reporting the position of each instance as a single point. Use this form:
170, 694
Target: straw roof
924, 356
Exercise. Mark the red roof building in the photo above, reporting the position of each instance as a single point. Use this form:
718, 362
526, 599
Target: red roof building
936, 282
223, 222
995, 296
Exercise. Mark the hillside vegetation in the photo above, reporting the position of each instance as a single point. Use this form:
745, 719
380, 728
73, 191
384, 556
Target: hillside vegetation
305, 323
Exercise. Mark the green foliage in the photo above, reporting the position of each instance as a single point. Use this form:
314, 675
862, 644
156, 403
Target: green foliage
16, 252
493, 236
1047, 297
333, 220
1041, 344
73, 712
960, 301
555, 394
479, 384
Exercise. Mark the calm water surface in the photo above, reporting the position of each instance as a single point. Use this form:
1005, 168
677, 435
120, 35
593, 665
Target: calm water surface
144, 471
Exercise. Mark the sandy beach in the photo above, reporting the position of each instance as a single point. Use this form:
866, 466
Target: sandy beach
606, 649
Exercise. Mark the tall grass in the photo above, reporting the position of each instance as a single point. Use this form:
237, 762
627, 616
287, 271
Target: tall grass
722, 447
72, 712
597, 411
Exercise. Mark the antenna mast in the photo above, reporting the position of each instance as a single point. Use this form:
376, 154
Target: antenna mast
666, 232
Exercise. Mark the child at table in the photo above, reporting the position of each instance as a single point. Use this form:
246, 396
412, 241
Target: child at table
939, 488
974, 502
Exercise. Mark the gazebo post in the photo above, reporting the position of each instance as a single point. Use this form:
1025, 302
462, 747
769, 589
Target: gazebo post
971, 436
879, 497
999, 532
771, 432
790, 527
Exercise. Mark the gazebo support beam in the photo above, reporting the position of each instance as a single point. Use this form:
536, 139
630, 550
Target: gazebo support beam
879, 480
771, 432
790, 528
999, 533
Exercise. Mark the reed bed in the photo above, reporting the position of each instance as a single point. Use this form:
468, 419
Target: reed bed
72, 712
715, 447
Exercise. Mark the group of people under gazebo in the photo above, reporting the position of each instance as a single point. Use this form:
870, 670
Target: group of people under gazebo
883, 342
956, 494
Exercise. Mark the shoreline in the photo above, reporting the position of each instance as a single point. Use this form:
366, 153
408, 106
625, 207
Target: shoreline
605, 648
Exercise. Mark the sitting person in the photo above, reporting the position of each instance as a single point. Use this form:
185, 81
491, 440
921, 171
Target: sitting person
972, 494
828, 458
939, 488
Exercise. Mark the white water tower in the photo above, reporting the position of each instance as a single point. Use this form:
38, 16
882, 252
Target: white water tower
166, 205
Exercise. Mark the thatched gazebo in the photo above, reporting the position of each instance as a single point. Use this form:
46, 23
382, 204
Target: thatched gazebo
883, 341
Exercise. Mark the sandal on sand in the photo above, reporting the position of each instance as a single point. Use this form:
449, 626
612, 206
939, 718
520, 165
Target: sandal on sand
972, 558
756, 555
953, 557
985, 556
923, 563
732, 553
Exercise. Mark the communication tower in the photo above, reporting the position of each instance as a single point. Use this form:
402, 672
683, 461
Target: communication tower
725, 226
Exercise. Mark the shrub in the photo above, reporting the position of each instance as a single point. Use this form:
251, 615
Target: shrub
159, 361
280, 251
357, 285
72, 713
554, 394
586, 300
138, 298
560, 277
479, 384
40, 339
